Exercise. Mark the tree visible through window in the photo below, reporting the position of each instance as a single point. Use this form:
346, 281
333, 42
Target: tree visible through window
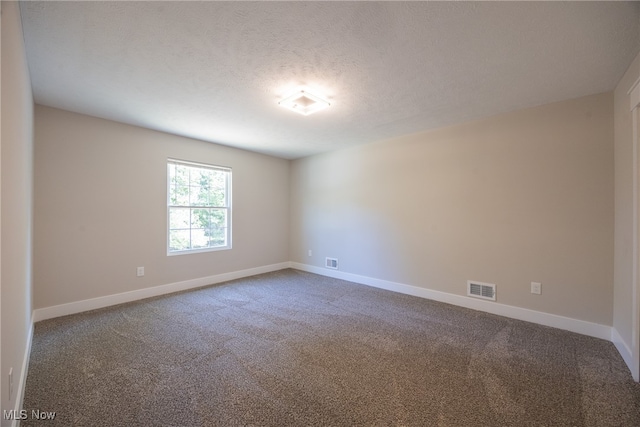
199, 207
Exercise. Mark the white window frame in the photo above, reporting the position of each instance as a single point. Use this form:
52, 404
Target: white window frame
191, 164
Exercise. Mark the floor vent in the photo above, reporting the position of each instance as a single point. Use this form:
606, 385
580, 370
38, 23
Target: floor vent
331, 263
481, 290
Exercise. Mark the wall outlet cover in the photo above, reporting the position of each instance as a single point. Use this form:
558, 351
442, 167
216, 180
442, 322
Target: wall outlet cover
536, 288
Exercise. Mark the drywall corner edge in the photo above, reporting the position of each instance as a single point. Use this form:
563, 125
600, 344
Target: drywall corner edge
625, 352
541, 318
22, 381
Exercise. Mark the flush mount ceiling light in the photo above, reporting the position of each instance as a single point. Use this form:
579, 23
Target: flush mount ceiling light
304, 103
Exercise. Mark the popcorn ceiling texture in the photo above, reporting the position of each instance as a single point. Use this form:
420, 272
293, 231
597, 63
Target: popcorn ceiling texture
216, 70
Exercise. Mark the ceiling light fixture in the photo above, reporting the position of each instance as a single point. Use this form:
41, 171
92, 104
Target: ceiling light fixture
304, 103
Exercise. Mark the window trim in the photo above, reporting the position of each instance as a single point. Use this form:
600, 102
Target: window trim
228, 193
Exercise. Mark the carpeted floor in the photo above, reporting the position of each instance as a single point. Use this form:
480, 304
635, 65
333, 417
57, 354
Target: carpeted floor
295, 349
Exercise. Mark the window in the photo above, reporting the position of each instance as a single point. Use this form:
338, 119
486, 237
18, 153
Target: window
199, 207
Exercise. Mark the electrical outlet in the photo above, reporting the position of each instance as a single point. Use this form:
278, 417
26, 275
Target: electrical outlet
536, 288
140, 271
310, 253
10, 383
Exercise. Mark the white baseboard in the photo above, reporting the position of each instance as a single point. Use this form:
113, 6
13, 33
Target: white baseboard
109, 300
566, 323
624, 351
541, 318
22, 381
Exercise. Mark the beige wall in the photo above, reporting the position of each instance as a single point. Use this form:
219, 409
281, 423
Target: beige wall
100, 208
623, 268
521, 197
16, 168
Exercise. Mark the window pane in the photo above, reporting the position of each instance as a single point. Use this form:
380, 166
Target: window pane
197, 197
201, 177
179, 195
218, 189
218, 218
199, 239
180, 175
218, 231
179, 240
204, 179
217, 197
200, 218
195, 175
179, 218
218, 237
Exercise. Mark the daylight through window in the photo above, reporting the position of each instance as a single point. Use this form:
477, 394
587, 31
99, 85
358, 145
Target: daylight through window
199, 207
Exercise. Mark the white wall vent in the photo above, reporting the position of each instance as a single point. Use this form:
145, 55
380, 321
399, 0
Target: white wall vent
331, 263
481, 290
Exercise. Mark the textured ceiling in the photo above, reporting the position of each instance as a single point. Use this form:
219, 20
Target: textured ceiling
216, 70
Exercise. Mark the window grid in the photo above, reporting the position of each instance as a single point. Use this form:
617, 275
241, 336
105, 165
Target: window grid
199, 207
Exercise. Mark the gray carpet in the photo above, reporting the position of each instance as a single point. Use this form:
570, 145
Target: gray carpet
295, 349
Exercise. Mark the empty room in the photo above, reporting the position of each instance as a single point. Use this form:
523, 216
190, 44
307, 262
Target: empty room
320, 213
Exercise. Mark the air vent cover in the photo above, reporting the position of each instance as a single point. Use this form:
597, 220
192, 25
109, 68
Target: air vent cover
331, 263
481, 290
